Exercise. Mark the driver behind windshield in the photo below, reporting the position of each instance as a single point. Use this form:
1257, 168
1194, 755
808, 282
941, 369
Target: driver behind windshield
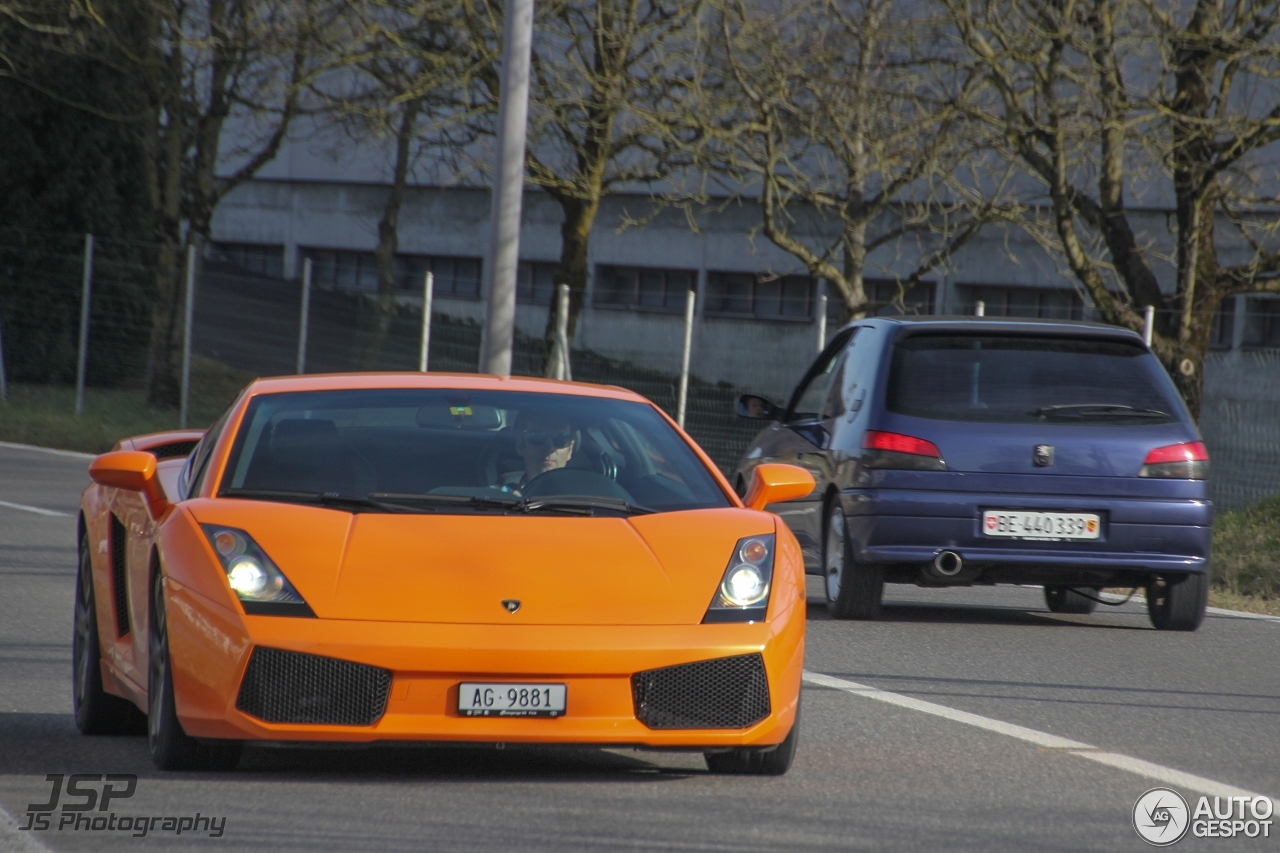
544, 441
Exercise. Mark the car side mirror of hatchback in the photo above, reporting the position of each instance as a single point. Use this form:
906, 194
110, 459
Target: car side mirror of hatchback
757, 408
134, 470
773, 483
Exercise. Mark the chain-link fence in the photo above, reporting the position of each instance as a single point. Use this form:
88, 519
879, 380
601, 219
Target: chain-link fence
248, 324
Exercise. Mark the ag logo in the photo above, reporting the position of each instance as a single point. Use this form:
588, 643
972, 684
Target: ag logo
1161, 817
511, 604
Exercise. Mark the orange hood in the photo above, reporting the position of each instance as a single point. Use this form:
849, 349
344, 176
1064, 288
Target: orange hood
657, 569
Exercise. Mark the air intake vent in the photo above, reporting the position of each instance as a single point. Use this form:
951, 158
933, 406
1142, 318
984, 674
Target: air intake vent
292, 687
119, 574
728, 693
173, 449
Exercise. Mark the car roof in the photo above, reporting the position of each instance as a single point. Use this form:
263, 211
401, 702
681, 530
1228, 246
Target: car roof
461, 381
1016, 325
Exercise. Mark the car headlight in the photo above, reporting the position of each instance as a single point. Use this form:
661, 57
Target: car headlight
743, 595
262, 588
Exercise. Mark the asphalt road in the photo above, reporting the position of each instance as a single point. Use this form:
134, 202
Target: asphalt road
929, 757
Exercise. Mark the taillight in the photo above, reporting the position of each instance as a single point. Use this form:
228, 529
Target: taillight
893, 450
1188, 461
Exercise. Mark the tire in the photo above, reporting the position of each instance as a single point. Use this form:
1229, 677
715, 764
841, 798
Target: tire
1177, 603
854, 591
1065, 599
171, 747
757, 762
97, 712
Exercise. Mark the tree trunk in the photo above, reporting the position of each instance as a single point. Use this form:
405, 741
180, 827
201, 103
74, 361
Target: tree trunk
389, 242
575, 237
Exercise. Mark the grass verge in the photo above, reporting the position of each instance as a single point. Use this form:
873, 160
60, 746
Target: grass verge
1246, 558
45, 414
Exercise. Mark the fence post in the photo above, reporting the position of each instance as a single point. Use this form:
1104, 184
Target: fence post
980, 310
1148, 324
822, 322
428, 291
305, 316
4, 382
188, 313
82, 356
563, 369
683, 395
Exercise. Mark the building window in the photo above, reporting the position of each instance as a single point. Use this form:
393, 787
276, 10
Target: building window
884, 299
251, 257
760, 295
341, 269
1032, 302
1262, 322
535, 282
646, 289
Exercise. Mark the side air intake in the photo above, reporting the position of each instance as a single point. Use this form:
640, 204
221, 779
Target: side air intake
726, 693
292, 687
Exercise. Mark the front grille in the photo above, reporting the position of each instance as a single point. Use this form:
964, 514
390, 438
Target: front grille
292, 687
727, 693
119, 574
173, 449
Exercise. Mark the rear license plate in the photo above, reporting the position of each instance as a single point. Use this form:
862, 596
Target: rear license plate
510, 700
1026, 524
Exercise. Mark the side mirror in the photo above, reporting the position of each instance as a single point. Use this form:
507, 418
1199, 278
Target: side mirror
757, 408
773, 483
134, 470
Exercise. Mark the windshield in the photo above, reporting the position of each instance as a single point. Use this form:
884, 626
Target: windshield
436, 450
1018, 379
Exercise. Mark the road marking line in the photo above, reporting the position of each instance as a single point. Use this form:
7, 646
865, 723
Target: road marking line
15, 840
37, 510
75, 454
1039, 738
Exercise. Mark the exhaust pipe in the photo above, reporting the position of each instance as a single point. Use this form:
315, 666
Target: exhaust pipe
948, 564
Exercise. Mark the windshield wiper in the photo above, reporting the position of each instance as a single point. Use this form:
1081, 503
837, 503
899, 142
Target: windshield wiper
481, 501
333, 500
571, 505
583, 505
1086, 409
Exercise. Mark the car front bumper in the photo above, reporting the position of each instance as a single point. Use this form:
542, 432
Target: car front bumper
211, 645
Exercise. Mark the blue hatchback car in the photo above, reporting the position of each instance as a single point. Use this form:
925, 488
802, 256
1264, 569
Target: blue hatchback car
981, 451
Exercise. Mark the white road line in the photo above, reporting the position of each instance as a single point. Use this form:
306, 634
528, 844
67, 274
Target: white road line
1039, 738
14, 840
37, 510
75, 454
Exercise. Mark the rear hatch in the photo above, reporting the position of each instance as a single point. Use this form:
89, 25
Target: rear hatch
1057, 410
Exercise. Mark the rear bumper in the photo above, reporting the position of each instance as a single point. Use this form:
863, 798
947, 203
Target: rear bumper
907, 529
211, 647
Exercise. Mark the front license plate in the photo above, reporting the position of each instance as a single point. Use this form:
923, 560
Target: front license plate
1026, 524
510, 700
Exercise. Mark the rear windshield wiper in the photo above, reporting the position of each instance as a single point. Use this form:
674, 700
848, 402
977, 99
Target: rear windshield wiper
1086, 409
333, 500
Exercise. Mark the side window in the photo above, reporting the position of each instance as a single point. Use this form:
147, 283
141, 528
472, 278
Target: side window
810, 399
857, 373
198, 461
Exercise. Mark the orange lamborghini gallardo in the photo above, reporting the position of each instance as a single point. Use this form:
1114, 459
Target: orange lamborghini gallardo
426, 557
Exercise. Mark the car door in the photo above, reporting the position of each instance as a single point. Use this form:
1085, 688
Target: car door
803, 438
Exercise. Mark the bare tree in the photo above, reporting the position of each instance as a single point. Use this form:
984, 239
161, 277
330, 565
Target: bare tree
1175, 102
600, 109
847, 126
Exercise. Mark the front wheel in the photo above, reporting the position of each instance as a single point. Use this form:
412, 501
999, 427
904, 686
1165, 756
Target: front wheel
171, 747
757, 762
854, 591
1177, 603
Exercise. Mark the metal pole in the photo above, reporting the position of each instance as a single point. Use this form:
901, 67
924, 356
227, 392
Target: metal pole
508, 186
1148, 324
822, 322
428, 291
683, 395
305, 316
188, 312
83, 355
4, 383
980, 310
